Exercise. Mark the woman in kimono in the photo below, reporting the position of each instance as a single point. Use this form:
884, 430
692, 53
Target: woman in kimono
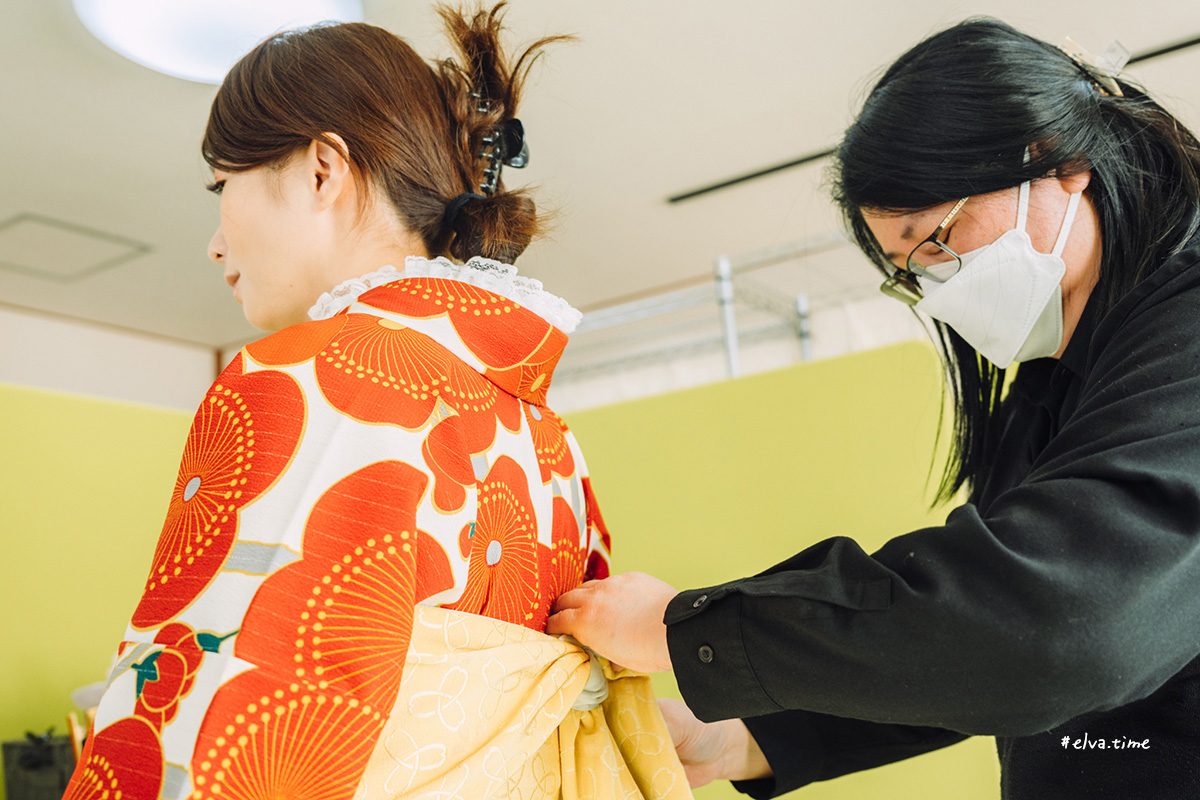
375, 508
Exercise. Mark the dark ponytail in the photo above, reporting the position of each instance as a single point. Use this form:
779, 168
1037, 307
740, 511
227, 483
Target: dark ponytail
499, 227
482, 91
415, 131
952, 118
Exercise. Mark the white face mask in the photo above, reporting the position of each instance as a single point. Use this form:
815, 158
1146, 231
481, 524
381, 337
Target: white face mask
1006, 299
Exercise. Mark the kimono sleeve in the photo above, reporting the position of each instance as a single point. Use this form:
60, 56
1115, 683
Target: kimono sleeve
599, 542
272, 634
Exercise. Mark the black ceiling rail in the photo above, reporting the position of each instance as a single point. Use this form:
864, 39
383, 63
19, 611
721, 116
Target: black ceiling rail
1162, 51
749, 176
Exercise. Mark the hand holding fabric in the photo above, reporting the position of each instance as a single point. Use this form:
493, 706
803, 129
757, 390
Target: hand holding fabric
711, 751
620, 617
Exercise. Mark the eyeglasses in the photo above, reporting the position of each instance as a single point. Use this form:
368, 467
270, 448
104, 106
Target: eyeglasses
927, 260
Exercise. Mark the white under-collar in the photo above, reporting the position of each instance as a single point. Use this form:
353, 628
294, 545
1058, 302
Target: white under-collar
493, 276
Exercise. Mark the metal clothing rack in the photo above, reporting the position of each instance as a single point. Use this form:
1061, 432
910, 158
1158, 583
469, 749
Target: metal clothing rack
728, 289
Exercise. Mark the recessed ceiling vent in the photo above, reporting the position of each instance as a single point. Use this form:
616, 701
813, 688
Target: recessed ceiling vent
48, 248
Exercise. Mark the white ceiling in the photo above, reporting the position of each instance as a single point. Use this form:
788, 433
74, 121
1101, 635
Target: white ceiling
656, 98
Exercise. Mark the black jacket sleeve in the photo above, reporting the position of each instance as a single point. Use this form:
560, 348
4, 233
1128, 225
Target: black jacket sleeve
1076, 592
803, 746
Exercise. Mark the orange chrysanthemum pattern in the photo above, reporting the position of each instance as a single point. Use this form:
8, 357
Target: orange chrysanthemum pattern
378, 371
520, 359
243, 437
503, 574
549, 442
471, 310
122, 762
273, 738
530, 379
445, 451
597, 567
404, 375
434, 574
297, 344
564, 561
341, 616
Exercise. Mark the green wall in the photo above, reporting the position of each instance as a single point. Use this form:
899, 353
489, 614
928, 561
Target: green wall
714, 483
698, 487
84, 486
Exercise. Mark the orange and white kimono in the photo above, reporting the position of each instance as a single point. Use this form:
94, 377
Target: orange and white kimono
374, 513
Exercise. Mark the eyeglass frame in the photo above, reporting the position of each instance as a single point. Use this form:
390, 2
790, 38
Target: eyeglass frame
901, 285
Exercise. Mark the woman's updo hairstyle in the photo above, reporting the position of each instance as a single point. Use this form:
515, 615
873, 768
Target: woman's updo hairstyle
952, 118
413, 130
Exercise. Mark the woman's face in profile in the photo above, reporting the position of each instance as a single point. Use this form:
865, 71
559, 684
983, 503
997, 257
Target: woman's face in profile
986, 217
266, 244
981, 221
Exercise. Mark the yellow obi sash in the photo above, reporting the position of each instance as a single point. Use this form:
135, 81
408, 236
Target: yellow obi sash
487, 709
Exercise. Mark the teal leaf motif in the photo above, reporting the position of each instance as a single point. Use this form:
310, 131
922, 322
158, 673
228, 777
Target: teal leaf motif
147, 671
210, 642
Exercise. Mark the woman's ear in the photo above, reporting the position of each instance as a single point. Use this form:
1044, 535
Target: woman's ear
327, 172
1073, 177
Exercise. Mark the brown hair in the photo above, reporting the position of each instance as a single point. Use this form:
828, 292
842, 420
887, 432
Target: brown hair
413, 130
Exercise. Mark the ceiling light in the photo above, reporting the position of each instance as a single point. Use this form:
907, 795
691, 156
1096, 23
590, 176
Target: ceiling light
199, 40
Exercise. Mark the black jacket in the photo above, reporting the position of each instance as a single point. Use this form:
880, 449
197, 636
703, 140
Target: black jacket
1064, 602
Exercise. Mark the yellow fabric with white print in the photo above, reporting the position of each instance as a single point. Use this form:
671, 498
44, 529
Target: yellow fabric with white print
485, 711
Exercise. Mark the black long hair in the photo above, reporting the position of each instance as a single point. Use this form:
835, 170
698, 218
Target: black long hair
952, 118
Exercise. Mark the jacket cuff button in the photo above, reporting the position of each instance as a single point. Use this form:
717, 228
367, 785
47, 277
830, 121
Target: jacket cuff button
705, 653
700, 601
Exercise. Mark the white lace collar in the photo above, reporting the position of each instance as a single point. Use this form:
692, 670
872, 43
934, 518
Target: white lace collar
494, 276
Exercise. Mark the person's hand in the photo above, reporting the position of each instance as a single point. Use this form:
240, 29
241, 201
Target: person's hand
620, 617
712, 751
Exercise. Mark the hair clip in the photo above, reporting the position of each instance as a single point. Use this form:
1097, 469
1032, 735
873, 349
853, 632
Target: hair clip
504, 146
515, 148
1102, 69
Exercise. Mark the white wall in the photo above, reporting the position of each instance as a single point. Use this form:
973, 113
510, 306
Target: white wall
62, 354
